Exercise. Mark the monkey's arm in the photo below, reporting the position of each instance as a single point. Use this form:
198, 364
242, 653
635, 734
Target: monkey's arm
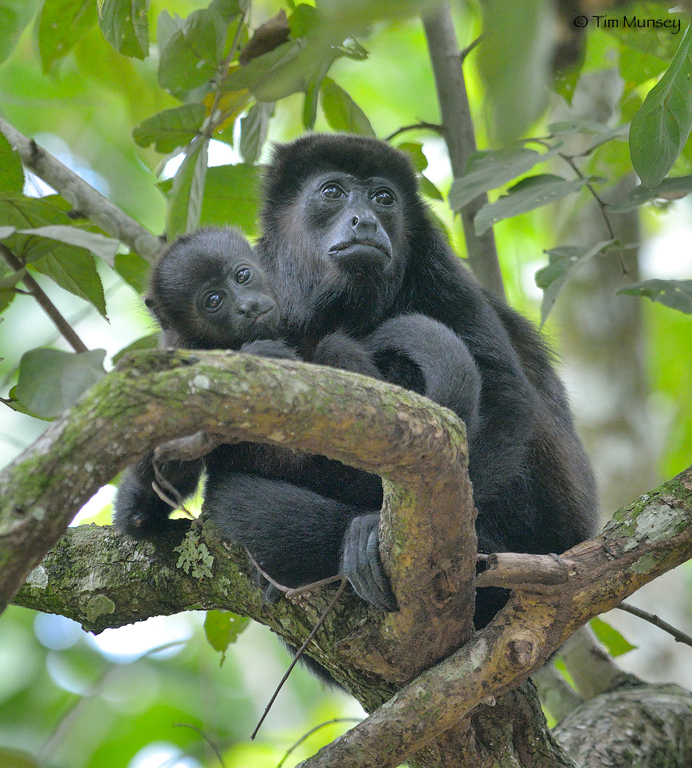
139, 511
338, 350
419, 353
269, 348
296, 536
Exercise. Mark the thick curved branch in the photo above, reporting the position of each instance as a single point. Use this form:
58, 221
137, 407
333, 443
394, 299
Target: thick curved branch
552, 598
81, 196
428, 541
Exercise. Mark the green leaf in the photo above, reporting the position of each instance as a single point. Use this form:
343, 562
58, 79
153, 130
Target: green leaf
611, 638
570, 127
312, 96
293, 72
490, 168
133, 269
676, 294
166, 27
227, 9
414, 149
222, 628
24, 212
11, 758
192, 52
99, 245
14, 16
253, 130
232, 197
303, 20
257, 70
661, 126
668, 189
566, 81
562, 264
7, 285
171, 128
11, 171
74, 270
61, 25
341, 112
51, 380
606, 135
124, 24
527, 195
429, 188
185, 198
145, 342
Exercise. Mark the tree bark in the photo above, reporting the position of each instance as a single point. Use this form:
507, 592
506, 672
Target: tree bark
457, 128
645, 726
419, 651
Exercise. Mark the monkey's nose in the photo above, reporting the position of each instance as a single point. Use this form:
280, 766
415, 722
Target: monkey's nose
250, 309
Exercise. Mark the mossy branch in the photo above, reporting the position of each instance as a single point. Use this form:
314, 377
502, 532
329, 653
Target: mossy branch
428, 540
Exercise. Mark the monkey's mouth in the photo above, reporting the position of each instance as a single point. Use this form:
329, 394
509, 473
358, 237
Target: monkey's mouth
356, 247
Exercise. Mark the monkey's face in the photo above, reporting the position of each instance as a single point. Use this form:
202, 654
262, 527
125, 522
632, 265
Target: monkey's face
356, 226
234, 308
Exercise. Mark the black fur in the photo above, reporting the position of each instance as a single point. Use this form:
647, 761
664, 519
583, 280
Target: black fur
243, 316
346, 263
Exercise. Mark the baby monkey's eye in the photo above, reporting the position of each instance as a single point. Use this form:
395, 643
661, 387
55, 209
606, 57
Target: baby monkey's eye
243, 275
213, 300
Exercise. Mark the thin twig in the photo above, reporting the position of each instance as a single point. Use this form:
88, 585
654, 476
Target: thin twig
680, 637
299, 653
209, 741
601, 205
313, 730
422, 125
292, 591
44, 302
465, 51
602, 209
162, 488
58, 734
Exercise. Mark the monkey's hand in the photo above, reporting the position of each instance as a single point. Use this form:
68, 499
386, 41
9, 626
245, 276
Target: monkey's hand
361, 564
269, 348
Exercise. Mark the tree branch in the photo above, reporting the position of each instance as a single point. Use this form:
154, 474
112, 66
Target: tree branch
427, 536
645, 539
552, 596
81, 196
457, 127
65, 329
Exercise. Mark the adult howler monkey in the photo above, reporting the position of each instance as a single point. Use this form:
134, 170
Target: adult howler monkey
348, 246
207, 292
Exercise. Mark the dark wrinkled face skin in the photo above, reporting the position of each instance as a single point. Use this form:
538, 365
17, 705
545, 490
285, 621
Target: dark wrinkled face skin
357, 223
341, 253
208, 292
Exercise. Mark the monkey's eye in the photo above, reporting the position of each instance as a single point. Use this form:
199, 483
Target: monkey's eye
214, 300
243, 275
384, 197
332, 191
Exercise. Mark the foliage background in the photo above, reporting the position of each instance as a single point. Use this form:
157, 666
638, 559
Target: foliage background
65, 696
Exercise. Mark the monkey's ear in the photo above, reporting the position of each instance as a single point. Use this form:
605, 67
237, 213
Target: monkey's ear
155, 310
